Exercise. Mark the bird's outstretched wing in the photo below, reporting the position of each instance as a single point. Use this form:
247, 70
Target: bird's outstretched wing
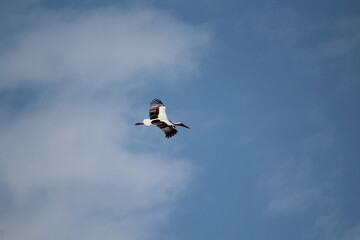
168, 130
155, 106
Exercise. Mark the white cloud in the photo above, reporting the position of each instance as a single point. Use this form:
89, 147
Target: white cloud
293, 185
352, 234
289, 187
73, 163
326, 226
63, 158
331, 227
98, 47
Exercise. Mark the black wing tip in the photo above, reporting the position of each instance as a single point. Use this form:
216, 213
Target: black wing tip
158, 101
171, 133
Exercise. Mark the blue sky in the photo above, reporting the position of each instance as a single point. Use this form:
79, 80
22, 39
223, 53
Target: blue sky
270, 90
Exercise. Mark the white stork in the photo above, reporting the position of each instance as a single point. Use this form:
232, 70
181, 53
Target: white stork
158, 118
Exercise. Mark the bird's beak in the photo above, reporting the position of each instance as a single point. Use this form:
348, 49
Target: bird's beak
139, 123
183, 125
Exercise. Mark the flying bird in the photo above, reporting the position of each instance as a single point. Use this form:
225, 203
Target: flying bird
158, 118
